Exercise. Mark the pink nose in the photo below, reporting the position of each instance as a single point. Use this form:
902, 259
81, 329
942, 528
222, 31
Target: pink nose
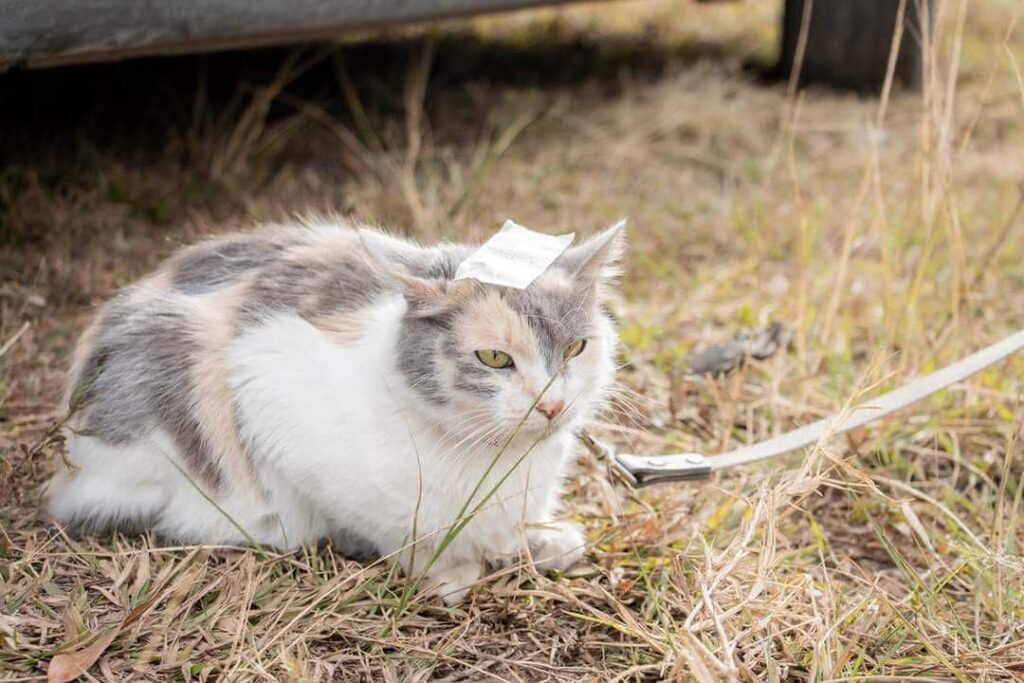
551, 409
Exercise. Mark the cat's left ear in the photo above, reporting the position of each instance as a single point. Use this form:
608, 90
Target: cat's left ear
427, 298
596, 260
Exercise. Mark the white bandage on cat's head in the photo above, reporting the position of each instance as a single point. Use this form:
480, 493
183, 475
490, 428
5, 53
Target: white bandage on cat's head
514, 257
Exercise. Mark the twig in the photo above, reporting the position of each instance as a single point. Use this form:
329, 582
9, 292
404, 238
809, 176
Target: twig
14, 338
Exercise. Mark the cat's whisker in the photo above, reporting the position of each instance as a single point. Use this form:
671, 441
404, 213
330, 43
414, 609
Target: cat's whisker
622, 399
478, 434
613, 415
462, 433
614, 412
468, 457
619, 387
629, 395
452, 424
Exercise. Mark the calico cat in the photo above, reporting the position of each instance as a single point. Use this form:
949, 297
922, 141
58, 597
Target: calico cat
319, 381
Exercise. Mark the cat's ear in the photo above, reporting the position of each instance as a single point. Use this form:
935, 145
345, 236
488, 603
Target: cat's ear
425, 297
429, 297
596, 260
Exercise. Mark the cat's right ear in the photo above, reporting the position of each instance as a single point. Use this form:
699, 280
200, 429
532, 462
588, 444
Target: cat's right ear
595, 261
428, 298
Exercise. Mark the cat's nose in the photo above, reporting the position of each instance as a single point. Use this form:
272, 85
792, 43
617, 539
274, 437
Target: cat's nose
551, 409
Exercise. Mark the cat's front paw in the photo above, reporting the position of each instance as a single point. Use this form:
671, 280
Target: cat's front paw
453, 582
558, 545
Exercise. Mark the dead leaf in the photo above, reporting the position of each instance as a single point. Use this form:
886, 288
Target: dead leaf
67, 666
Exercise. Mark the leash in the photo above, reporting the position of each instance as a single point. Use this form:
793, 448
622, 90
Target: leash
639, 470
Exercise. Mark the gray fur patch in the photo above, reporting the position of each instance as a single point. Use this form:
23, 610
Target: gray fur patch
138, 377
313, 288
472, 378
282, 286
210, 265
470, 375
349, 284
419, 345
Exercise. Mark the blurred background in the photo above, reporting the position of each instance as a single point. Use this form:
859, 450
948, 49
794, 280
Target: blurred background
881, 225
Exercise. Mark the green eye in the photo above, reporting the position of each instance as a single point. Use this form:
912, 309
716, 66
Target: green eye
495, 359
574, 349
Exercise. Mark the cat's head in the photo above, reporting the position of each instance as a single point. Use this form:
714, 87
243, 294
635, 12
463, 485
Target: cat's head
491, 361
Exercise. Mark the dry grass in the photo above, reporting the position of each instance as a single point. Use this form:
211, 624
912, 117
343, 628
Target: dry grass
887, 234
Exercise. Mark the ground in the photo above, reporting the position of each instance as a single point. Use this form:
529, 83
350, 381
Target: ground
885, 232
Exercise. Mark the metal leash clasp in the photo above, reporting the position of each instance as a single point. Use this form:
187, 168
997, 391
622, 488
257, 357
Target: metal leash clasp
647, 470
639, 471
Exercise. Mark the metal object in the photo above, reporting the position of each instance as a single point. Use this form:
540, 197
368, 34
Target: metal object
646, 470
55, 32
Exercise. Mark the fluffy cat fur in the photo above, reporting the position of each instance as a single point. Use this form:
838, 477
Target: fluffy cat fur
317, 381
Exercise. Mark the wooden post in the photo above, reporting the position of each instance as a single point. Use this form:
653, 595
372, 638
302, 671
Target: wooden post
849, 41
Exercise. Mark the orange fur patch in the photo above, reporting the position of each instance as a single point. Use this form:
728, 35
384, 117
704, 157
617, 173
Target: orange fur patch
342, 327
324, 246
214, 409
160, 279
491, 324
83, 350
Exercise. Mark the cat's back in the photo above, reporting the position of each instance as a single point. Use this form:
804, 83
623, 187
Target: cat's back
307, 269
165, 313
154, 356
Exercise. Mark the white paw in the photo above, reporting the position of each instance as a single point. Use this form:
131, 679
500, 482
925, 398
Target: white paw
558, 545
453, 582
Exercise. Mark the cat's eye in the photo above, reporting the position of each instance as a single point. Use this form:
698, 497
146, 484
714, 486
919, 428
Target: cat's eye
574, 349
493, 358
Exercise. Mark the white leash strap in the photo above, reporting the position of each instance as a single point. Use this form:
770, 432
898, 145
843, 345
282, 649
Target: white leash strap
645, 470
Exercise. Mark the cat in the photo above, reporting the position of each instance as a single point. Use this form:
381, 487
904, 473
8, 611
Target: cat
320, 381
